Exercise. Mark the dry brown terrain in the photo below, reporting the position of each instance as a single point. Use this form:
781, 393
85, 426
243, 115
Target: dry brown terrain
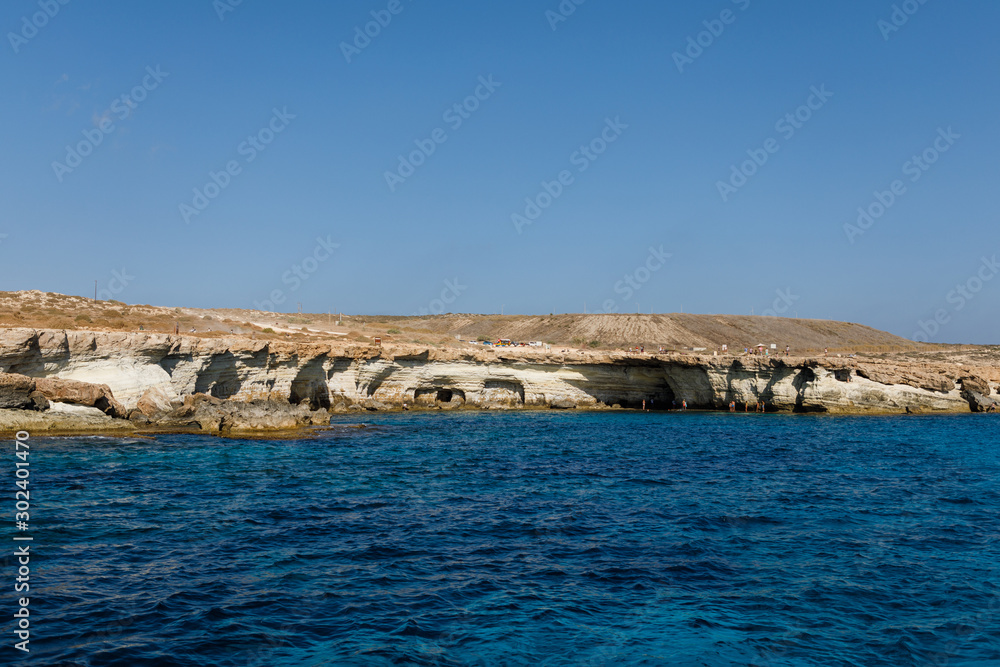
679, 331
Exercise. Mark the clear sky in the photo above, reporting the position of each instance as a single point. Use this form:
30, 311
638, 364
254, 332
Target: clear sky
611, 118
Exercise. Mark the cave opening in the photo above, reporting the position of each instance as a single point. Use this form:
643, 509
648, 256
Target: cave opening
660, 397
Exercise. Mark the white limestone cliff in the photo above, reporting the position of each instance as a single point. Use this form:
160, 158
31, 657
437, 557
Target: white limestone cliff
171, 367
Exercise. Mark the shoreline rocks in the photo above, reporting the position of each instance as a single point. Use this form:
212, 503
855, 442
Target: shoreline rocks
237, 385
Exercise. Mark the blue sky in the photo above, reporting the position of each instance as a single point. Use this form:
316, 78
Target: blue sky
312, 218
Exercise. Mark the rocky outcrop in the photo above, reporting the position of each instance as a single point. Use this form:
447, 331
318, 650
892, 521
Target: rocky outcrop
214, 415
236, 384
16, 391
39, 401
157, 402
73, 406
75, 392
61, 422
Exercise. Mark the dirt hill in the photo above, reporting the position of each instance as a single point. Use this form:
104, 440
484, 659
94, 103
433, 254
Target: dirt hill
676, 331
679, 330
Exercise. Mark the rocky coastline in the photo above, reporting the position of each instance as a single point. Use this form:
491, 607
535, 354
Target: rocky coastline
62, 382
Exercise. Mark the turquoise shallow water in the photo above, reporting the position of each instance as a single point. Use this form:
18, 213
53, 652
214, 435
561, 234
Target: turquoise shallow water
523, 539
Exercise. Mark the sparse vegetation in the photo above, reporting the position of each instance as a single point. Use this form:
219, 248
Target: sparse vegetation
593, 332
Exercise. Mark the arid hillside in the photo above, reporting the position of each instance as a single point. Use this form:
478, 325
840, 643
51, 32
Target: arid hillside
672, 331
678, 330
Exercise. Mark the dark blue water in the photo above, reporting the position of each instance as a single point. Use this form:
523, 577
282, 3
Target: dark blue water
522, 539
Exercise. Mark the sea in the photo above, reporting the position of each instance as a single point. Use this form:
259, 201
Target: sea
517, 538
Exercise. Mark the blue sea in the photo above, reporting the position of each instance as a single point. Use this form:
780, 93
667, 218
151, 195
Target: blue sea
524, 538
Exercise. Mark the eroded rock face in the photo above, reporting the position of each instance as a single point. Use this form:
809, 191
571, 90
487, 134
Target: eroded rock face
978, 402
214, 415
38, 401
75, 392
60, 422
16, 391
147, 375
156, 402
976, 384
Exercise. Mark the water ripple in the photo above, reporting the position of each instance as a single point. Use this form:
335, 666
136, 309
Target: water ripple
525, 539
